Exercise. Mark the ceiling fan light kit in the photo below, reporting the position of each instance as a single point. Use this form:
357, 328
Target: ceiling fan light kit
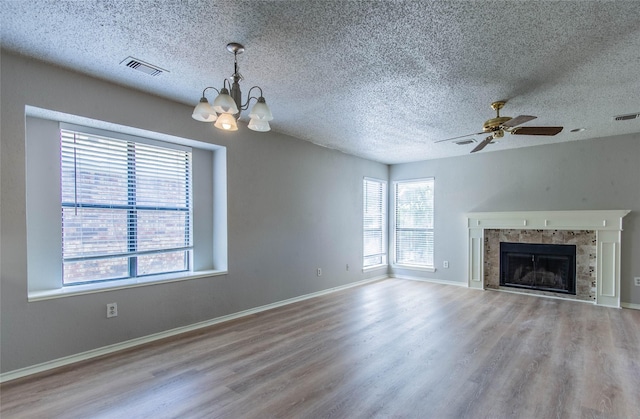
227, 106
496, 127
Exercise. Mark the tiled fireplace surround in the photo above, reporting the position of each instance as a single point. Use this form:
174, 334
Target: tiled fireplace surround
596, 235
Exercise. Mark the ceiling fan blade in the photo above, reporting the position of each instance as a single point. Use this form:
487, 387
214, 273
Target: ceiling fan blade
456, 138
536, 130
483, 144
518, 120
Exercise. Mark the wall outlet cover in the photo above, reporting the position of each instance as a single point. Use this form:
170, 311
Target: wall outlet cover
637, 281
112, 310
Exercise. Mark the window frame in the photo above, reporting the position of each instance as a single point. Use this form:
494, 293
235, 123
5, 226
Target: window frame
383, 227
394, 228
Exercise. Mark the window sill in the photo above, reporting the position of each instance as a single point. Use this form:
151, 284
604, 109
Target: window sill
375, 268
71, 291
415, 268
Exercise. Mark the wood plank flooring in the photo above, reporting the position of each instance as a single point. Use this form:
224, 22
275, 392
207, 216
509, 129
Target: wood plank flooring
393, 348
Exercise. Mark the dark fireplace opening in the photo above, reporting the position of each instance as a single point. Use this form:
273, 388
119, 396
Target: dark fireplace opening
544, 267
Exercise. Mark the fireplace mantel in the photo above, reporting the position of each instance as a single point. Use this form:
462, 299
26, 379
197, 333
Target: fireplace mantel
606, 224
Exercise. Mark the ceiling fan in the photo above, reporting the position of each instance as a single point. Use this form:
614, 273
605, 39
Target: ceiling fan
496, 127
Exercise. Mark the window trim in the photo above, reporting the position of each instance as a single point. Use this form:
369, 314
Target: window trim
44, 265
394, 263
384, 227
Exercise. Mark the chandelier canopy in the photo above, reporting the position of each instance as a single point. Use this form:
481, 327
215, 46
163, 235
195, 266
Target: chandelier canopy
227, 105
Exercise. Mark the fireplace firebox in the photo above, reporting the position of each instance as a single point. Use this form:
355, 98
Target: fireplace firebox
543, 267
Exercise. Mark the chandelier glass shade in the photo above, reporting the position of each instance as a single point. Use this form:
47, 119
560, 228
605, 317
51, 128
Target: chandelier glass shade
260, 126
204, 111
226, 107
224, 103
227, 122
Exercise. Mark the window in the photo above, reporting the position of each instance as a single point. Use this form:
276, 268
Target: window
374, 223
126, 208
413, 219
110, 206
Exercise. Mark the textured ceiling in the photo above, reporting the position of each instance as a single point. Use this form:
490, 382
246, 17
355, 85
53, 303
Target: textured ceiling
381, 80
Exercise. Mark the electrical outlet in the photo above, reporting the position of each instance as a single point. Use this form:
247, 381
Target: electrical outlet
637, 281
112, 310
445, 264
319, 272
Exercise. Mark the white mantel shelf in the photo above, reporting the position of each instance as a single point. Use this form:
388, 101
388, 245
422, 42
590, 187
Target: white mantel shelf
607, 225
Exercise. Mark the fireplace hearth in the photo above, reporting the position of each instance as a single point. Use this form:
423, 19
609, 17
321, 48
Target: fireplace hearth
543, 267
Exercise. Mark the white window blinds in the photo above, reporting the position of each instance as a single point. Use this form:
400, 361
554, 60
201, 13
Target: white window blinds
126, 207
414, 208
374, 223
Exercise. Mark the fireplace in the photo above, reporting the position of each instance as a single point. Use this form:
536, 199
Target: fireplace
543, 267
597, 235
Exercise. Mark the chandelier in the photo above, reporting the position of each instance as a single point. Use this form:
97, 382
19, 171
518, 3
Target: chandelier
227, 105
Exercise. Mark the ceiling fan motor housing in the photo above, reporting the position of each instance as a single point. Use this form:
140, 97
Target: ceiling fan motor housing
494, 124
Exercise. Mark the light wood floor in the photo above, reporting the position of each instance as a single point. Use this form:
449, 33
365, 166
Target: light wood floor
393, 348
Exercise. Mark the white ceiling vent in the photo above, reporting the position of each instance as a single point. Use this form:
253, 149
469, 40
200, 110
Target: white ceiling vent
140, 65
626, 117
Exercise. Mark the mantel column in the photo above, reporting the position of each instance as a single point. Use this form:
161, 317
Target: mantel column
608, 266
476, 258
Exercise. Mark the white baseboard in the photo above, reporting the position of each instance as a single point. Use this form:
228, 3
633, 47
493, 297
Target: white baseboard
630, 305
435, 281
67, 360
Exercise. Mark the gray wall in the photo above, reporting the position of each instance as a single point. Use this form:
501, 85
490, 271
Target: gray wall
598, 174
292, 207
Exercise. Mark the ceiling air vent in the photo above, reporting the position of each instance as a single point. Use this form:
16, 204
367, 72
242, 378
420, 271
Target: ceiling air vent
140, 65
626, 117
465, 142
